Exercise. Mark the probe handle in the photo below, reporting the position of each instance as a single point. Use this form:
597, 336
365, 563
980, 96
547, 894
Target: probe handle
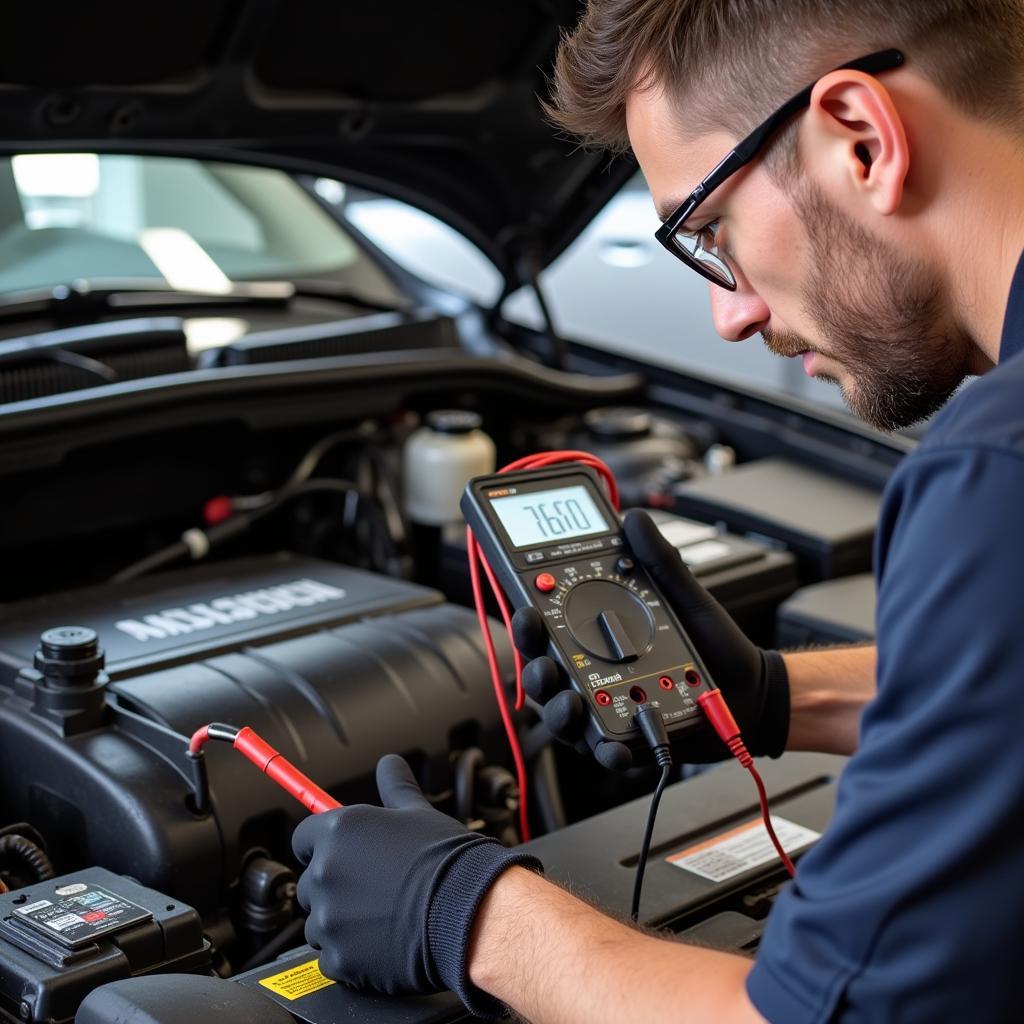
283, 772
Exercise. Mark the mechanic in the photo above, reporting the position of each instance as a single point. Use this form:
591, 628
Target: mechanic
876, 233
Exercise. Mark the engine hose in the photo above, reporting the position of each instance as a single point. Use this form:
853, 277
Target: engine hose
465, 769
30, 855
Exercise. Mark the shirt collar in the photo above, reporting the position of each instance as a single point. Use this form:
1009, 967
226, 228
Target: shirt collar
1013, 323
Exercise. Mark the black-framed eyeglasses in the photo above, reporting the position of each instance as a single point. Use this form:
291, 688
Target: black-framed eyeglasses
698, 248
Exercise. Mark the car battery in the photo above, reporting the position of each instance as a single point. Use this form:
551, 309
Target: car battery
747, 577
833, 612
62, 938
709, 853
826, 522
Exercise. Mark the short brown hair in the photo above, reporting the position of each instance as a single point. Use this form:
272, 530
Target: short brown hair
742, 58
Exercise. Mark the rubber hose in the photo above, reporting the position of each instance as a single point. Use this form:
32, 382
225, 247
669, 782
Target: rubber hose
467, 764
29, 854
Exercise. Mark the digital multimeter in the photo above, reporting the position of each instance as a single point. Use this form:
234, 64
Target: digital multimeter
555, 543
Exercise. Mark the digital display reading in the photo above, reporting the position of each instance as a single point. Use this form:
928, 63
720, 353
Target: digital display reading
545, 517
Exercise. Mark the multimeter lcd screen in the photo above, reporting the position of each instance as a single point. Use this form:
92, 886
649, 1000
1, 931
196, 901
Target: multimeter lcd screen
546, 517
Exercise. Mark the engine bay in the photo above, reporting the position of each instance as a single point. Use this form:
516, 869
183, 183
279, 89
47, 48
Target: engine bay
270, 568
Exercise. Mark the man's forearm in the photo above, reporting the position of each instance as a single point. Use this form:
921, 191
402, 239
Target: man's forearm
556, 960
828, 690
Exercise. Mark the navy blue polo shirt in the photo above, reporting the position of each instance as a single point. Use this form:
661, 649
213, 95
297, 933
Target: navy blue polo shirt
911, 907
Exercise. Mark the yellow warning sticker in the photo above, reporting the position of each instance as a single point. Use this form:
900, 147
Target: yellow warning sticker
297, 982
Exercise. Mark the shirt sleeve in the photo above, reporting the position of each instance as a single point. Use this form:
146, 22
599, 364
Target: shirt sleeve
911, 907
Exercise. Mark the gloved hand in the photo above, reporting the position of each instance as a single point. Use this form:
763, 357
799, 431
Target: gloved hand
753, 681
392, 891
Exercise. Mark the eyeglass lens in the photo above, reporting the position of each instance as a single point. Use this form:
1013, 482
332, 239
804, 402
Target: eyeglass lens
700, 250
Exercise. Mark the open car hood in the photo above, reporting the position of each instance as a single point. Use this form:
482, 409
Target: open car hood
432, 102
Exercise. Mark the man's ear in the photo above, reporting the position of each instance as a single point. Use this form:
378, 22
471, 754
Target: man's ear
854, 129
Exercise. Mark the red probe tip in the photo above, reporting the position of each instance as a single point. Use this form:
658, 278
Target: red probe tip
269, 761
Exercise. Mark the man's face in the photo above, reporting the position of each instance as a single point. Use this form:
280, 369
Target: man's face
813, 281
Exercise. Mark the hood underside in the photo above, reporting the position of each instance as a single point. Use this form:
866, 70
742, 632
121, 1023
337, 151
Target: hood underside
433, 102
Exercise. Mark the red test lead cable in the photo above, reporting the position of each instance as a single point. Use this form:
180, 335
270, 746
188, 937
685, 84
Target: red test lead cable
713, 705
476, 559
268, 760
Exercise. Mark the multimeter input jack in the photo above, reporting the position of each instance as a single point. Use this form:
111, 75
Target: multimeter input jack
637, 695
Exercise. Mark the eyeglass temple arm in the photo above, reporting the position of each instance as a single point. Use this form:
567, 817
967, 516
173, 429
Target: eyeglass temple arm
747, 149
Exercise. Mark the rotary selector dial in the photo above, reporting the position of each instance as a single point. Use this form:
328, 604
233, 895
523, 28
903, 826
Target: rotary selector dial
608, 619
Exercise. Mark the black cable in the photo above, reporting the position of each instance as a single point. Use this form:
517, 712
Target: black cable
379, 526
652, 727
400, 562
645, 849
312, 459
305, 468
171, 553
230, 527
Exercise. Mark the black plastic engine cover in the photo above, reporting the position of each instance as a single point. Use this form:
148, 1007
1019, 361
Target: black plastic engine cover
333, 684
157, 621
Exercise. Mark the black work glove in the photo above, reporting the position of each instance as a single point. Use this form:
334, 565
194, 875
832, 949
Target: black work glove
753, 681
392, 891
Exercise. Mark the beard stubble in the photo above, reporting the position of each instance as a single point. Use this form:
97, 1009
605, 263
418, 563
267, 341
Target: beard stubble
880, 314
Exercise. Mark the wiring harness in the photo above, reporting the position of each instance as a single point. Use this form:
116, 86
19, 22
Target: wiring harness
371, 514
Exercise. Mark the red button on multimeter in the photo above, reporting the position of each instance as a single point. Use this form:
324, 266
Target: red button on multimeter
545, 582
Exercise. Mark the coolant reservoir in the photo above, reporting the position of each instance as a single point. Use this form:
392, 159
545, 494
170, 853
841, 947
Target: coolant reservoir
438, 460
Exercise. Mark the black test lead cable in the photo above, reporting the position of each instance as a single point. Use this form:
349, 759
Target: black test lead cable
648, 719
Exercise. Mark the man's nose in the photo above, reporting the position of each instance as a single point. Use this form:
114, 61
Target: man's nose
739, 314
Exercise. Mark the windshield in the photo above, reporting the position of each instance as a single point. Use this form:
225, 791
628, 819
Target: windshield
188, 223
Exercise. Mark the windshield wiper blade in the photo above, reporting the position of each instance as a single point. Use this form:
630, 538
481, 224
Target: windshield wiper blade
104, 295
88, 297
